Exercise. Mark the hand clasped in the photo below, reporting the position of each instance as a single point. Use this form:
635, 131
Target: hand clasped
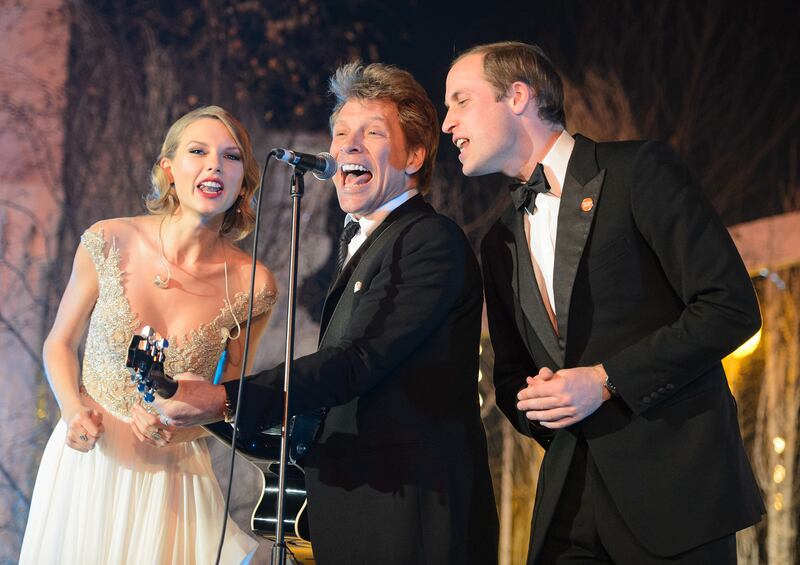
560, 399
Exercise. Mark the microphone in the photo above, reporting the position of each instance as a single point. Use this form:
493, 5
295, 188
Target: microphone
323, 165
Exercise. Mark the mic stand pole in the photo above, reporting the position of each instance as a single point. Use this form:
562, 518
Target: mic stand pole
296, 191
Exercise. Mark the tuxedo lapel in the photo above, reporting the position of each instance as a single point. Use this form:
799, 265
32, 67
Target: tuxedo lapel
579, 199
340, 282
523, 283
341, 279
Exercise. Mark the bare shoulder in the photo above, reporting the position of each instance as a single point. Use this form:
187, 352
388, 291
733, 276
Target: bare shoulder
243, 263
265, 279
124, 230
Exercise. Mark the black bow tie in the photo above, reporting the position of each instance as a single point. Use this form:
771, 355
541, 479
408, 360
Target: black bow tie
523, 194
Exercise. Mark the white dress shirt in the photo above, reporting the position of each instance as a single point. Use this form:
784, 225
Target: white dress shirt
541, 224
373, 220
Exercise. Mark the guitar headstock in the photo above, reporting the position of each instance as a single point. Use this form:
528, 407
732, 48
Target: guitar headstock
146, 363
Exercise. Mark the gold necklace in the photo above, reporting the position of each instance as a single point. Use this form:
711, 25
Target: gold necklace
163, 283
159, 281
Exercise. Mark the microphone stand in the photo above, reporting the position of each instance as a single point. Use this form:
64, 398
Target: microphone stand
296, 190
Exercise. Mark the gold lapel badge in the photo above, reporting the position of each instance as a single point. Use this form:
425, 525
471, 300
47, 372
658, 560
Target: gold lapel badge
587, 204
357, 286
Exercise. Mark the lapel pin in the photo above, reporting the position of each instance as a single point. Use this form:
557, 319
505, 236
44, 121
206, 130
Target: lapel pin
357, 286
587, 204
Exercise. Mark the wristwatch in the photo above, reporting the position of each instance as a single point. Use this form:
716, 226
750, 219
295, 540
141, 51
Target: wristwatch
228, 413
610, 386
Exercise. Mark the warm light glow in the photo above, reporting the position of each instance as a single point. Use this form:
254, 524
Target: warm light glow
748, 347
480, 375
778, 502
779, 473
480, 399
480, 350
779, 444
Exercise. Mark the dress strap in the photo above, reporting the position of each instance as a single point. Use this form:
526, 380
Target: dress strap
265, 300
95, 244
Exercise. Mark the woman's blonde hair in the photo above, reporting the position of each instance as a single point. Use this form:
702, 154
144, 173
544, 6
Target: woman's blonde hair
239, 219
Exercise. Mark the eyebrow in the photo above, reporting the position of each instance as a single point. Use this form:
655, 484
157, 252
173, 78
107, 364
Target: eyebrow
228, 148
374, 118
453, 96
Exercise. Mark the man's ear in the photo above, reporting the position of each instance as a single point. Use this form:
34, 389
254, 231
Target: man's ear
520, 95
415, 159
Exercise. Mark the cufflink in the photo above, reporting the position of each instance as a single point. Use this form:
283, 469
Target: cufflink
357, 286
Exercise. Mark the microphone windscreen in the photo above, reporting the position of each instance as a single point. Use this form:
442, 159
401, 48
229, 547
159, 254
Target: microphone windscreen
330, 166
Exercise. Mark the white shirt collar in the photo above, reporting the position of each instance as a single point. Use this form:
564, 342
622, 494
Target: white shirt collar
373, 220
556, 161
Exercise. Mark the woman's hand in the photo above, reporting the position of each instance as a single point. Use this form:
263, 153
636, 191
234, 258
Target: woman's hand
84, 428
150, 429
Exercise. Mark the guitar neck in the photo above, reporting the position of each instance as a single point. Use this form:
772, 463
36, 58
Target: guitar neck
264, 448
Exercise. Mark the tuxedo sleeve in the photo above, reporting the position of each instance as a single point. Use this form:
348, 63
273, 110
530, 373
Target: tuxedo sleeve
420, 280
512, 362
704, 269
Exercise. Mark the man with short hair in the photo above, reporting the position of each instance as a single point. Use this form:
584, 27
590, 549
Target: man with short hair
613, 291
399, 474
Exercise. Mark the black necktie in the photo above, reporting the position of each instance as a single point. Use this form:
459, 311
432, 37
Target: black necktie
524, 194
348, 233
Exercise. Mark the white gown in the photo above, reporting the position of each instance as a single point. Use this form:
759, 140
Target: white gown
127, 502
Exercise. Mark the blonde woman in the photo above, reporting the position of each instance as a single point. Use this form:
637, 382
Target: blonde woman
115, 485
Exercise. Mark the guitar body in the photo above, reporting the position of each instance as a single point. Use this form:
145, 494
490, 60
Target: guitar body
146, 362
264, 453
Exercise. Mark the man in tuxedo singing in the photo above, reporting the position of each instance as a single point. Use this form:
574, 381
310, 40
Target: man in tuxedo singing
399, 473
613, 292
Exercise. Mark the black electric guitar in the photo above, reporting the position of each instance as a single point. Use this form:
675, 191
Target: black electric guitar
146, 362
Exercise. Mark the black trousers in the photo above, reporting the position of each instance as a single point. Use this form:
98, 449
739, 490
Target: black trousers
588, 529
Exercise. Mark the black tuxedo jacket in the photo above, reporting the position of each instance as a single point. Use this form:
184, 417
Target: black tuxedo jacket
648, 282
400, 472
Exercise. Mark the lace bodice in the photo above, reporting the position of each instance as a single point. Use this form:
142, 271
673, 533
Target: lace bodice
113, 323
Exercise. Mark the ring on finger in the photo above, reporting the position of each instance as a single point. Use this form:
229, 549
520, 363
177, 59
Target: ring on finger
165, 420
83, 437
156, 435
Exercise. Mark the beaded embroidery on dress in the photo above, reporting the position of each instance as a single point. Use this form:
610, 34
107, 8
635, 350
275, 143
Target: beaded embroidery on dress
113, 323
127, 502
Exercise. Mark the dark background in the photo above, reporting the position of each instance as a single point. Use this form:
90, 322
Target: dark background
717, 79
